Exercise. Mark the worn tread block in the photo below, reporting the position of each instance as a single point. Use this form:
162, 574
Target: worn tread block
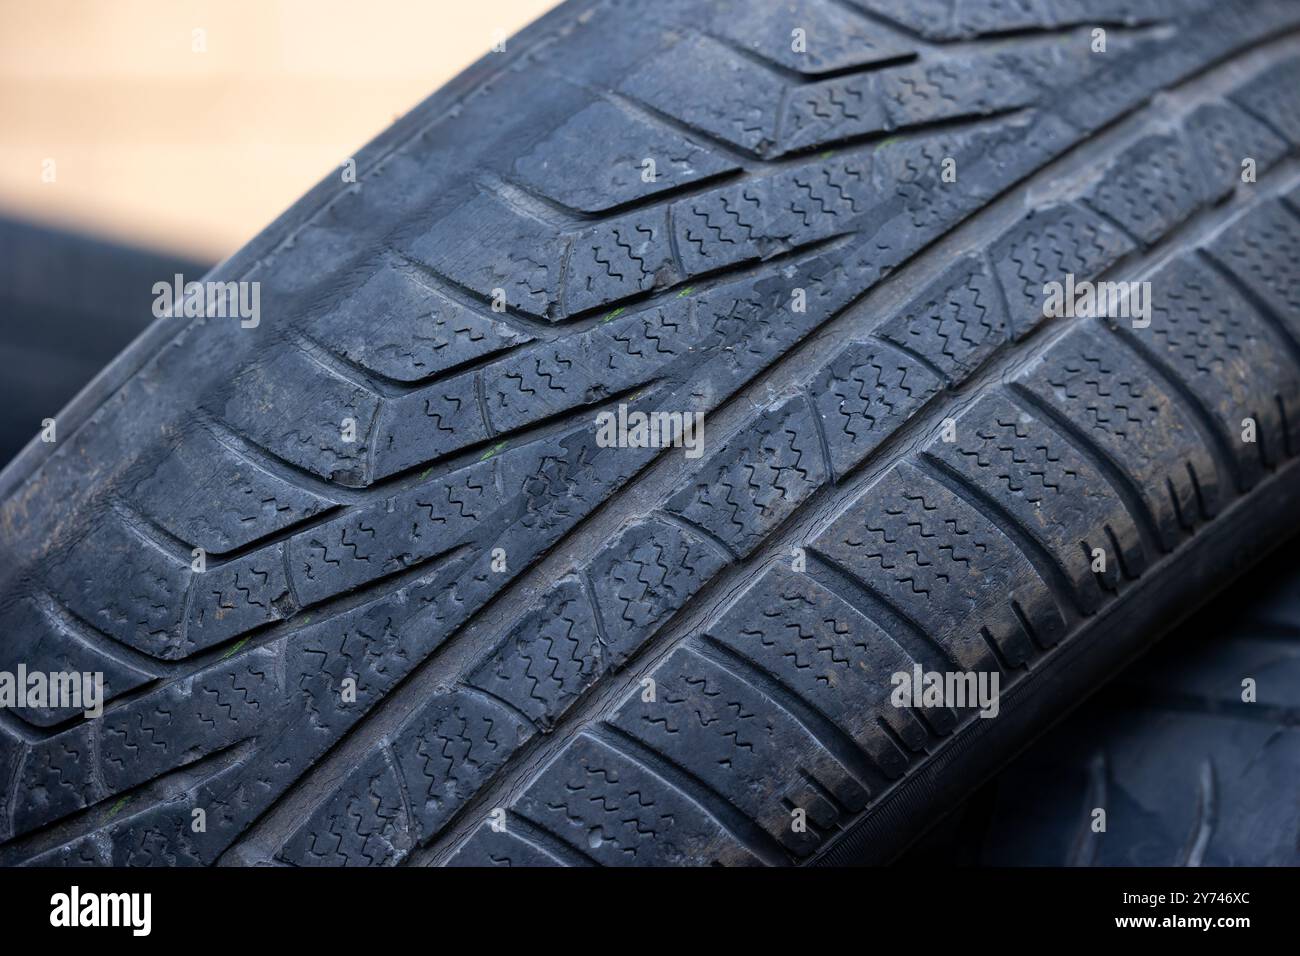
230, 701
614, 145
838, 109
760, 217
1262, 248
394, 534
412, 330
997, 16
1225, 135
738, 105
1150, 187
448, 749
864, 394
55, 777
364, 825
237, 596
912, 171
290, 405
643, 577
956, 323
757, 479
946, 567
206, 493
959, 86
154, 827
175, 725
39, 639
722, 228
833, 657
1086, 11
548, 659
125, 587
1269, 97
623, 351
1101, 93
1054, 493
617, 259
617, 812
484, 245
933, 19
426, 424
834, 39
1229, 359
1132, 420
1046, 246
725, 733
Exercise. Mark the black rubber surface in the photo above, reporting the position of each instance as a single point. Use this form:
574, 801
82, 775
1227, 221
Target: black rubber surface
1190, 768
499, 588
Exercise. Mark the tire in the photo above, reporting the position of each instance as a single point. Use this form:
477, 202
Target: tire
1187, 771
476, 635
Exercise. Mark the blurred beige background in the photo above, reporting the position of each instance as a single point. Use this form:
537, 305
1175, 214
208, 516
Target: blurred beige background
159, 143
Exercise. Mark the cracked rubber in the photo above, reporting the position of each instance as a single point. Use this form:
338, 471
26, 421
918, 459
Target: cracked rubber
564, 653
